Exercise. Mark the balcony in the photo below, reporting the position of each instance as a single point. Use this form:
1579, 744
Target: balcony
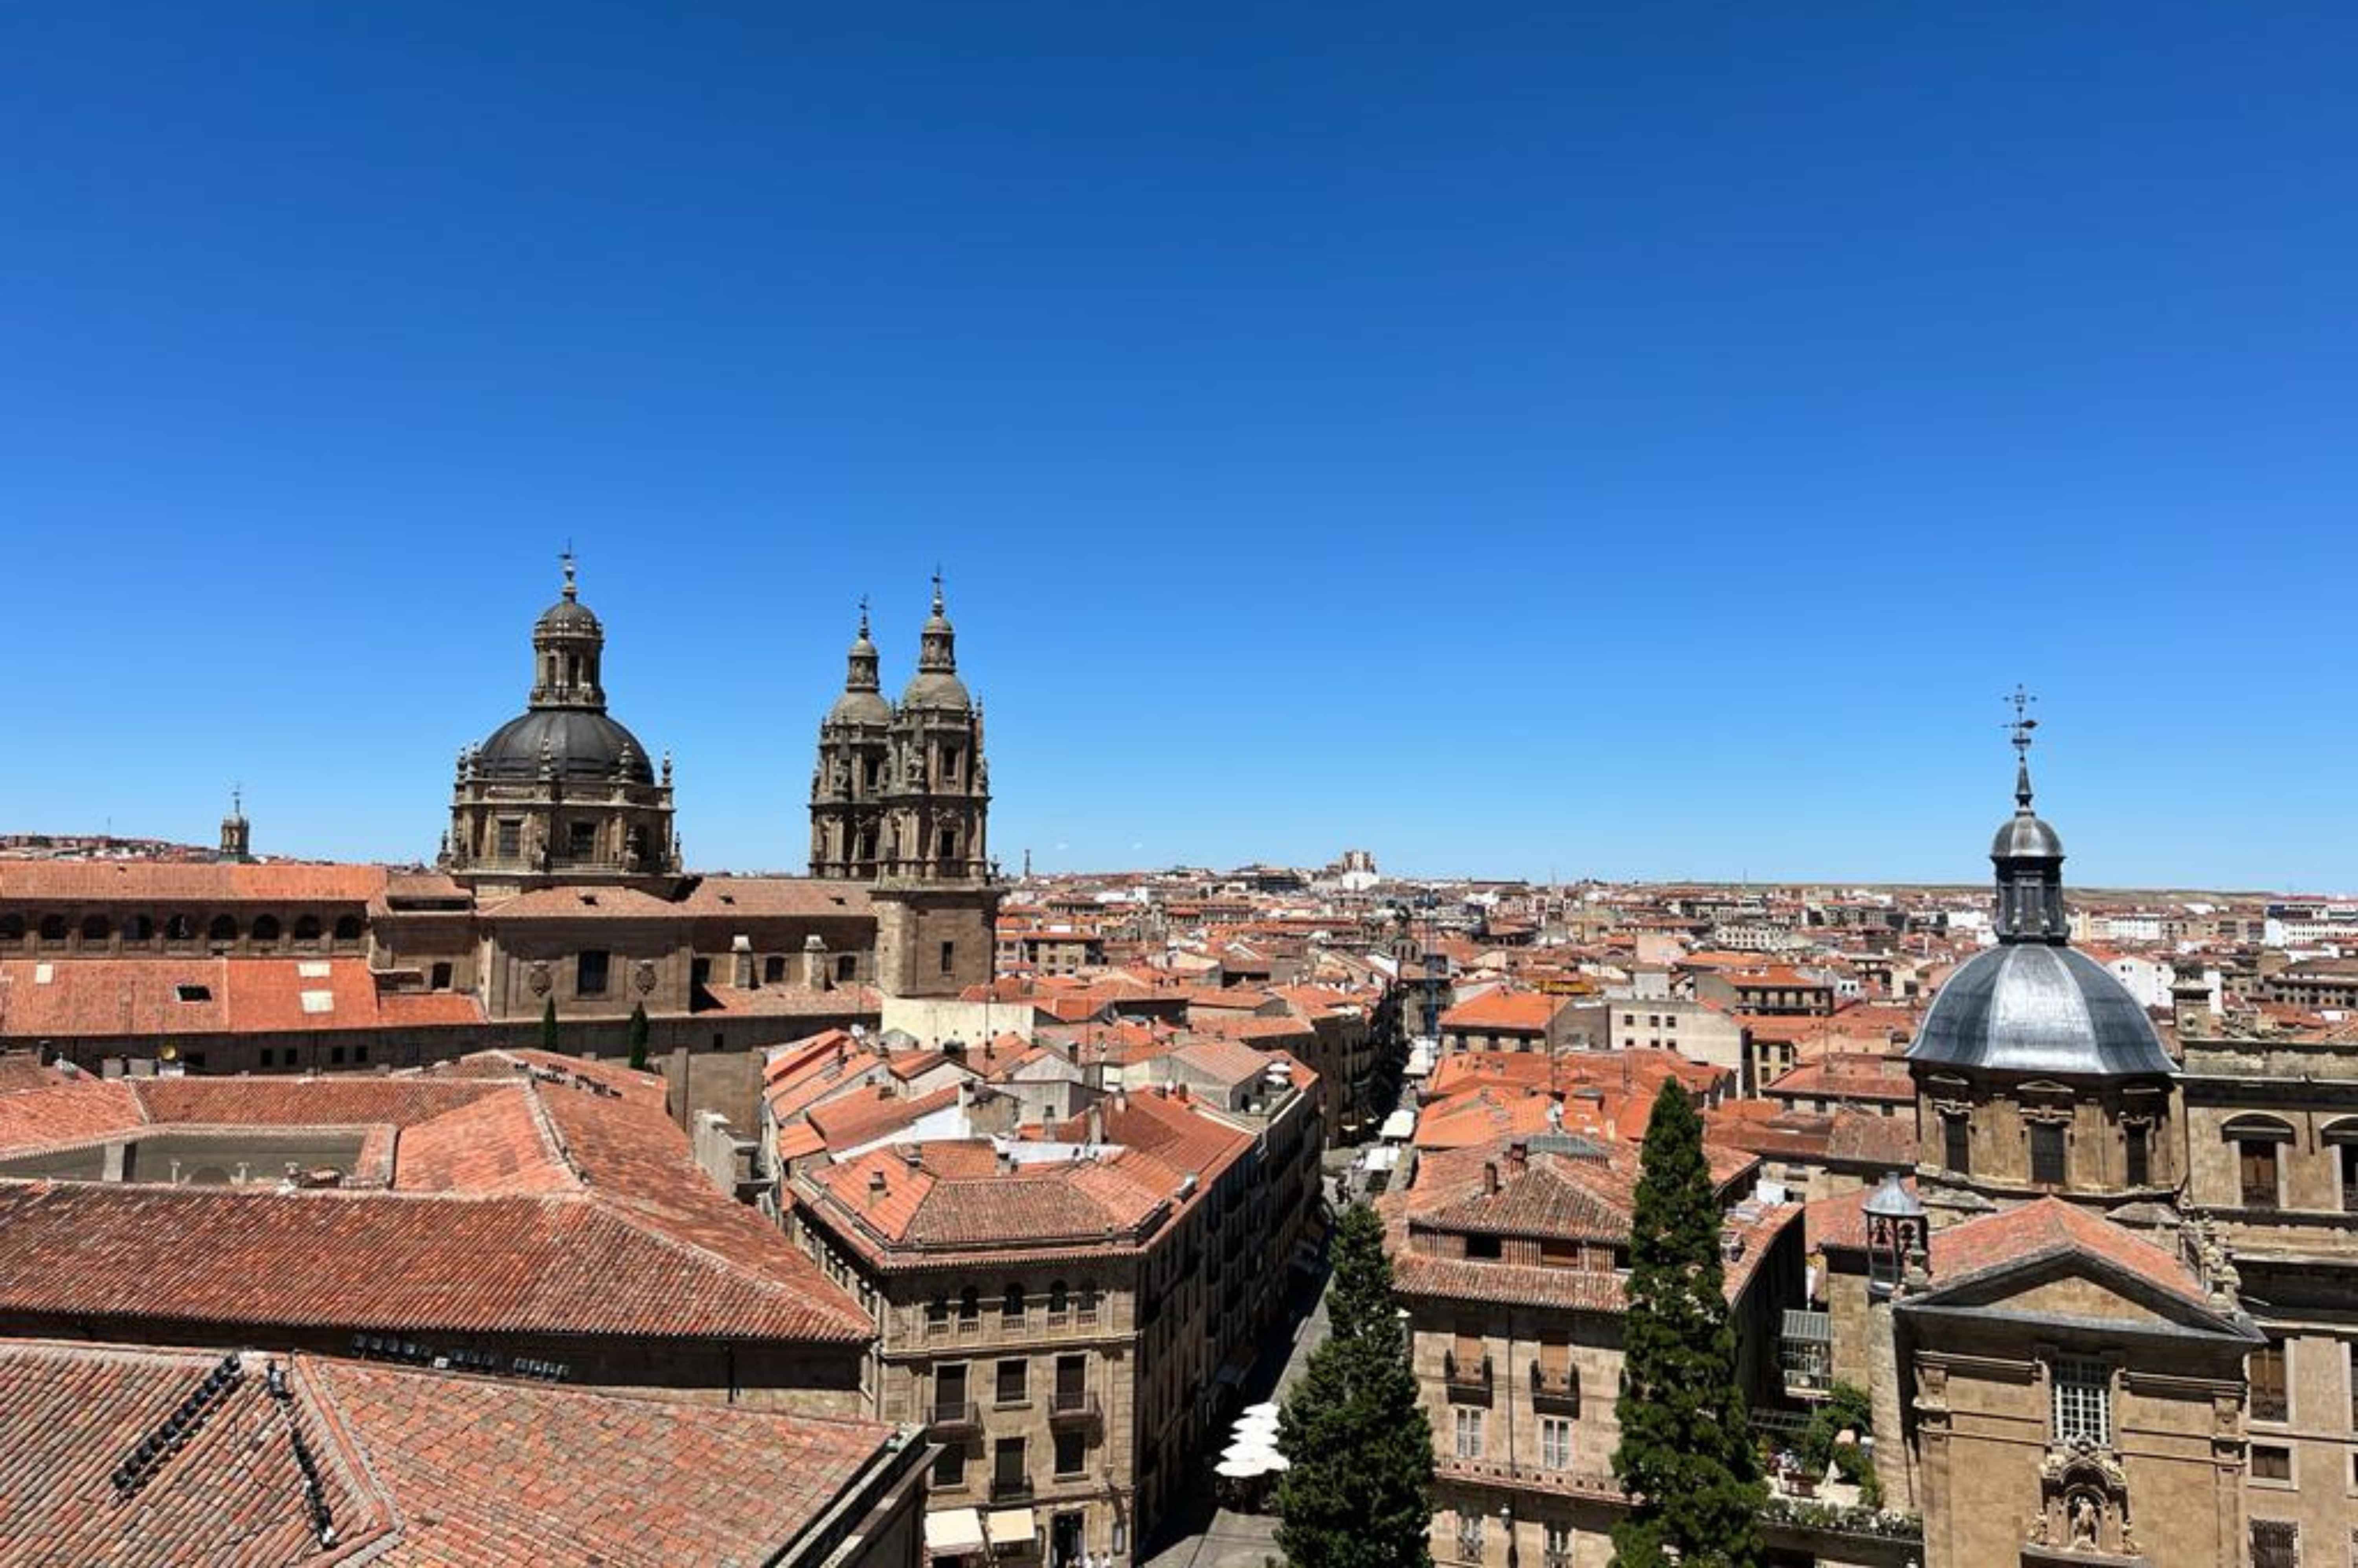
1466, 1378
954, 1416
1011, 1489
1559, 1389
1074, 1407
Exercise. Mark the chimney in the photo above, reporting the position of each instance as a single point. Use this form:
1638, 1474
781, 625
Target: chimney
815, 975
1489, 1175
876, 1185
1097, 1124
1006, 1161
740, 962
1519, 1156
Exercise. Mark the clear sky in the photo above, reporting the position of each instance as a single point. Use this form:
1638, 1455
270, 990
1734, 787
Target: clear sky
1630, 439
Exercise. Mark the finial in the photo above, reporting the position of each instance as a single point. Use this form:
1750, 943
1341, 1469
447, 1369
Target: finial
937, 587
863, 615
237, 800
570, 591
2019, 731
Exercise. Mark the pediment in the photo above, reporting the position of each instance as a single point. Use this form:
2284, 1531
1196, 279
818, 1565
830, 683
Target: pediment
2077, 1286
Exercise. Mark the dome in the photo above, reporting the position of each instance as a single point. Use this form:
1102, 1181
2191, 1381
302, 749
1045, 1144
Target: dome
2024, 837
861, 708
567, 616
583, 743
2040, 1007
937, 689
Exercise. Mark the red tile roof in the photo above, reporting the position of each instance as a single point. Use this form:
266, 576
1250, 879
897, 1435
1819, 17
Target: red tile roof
162, 882
2049, 1227
419, 1469
105, 997
1527, 1012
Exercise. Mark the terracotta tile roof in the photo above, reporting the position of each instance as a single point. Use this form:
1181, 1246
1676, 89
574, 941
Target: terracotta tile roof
157, 882
1863, 1137
719, 897
1223, 1060
287, 995
245, 1258
1575, 1289
1492, 1010
792, 1002
499, 1142
420, 1469
2049, 1226
854, 1119
1846, 1076
66, 1113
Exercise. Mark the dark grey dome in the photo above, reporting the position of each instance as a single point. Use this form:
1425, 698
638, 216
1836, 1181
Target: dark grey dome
2025, 836
2028, 1007
582, 743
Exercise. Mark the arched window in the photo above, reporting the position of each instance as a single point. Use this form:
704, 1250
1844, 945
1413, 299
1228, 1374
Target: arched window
306, 928
937, 1314
139, 928
53, 928
180, 928
1011, 1308
970, 1306
94, 928
2260, 1176
348, 928
12, 928
1084, 1305
1059, 1299
222, 929
266, 928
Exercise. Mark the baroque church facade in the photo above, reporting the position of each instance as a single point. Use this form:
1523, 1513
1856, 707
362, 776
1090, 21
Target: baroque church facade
559, 884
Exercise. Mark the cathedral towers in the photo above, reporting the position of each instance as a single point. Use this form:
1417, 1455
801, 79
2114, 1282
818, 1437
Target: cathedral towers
901, 800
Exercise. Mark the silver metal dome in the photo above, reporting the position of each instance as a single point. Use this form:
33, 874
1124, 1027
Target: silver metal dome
2038, 1008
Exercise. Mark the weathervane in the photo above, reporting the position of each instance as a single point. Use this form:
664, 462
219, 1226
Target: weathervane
2018, 732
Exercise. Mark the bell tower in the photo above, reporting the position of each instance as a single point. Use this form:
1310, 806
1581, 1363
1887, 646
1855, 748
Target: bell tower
936, 894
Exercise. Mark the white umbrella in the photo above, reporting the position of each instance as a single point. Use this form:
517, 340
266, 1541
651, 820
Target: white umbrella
1236, 1470
1266, 1408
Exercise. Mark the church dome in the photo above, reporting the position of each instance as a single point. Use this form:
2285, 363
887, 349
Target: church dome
861, 708
569, 616
2038, 1008
582, 743
2026, 837
940, 690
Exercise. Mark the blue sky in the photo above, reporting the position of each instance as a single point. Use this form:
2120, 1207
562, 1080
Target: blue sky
1632, 439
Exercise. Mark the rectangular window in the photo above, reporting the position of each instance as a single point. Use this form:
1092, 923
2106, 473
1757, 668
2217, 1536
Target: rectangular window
589, 974
2275, 1543
2346, 1156
1014, 1381
511, 838
1072, 1453
846, 968
2140, 1157
2046, 1153
1956, 1147
1555, 1442
2256, 1161
774, 969
440, 979
1556, 1540
2271, 1462
583, 843
1469, 1536
949, 957
1007, 1463
2084, 1400
1469, 1432
1484, 1247
2266, 1369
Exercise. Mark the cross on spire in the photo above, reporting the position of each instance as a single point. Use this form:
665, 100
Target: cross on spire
567, 558
937, 587
863, 615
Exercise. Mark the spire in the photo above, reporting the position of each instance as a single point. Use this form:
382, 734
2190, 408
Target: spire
2027, 853
2021, 730
571, 593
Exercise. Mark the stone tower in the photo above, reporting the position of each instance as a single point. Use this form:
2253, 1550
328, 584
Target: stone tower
561, 793
936, 897
236, 832
847, 786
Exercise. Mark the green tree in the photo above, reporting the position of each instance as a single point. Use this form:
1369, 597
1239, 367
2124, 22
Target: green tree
1686, 1454
1358, 1492
548, 1024
639, 1036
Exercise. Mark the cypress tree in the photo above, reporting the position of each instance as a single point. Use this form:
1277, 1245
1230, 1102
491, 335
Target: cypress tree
639, 1036
1686, 1451
1359, 1493
548, 1025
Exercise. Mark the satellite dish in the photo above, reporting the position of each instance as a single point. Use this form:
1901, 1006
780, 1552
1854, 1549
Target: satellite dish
168, 1054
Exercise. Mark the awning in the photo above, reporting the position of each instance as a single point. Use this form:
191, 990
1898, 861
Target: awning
1816, 1327
1012, 1527
1399, 1126
952, 1531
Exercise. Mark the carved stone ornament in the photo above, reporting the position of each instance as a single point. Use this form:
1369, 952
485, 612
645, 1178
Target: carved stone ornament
642, 977
538, 978
2083, 1503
